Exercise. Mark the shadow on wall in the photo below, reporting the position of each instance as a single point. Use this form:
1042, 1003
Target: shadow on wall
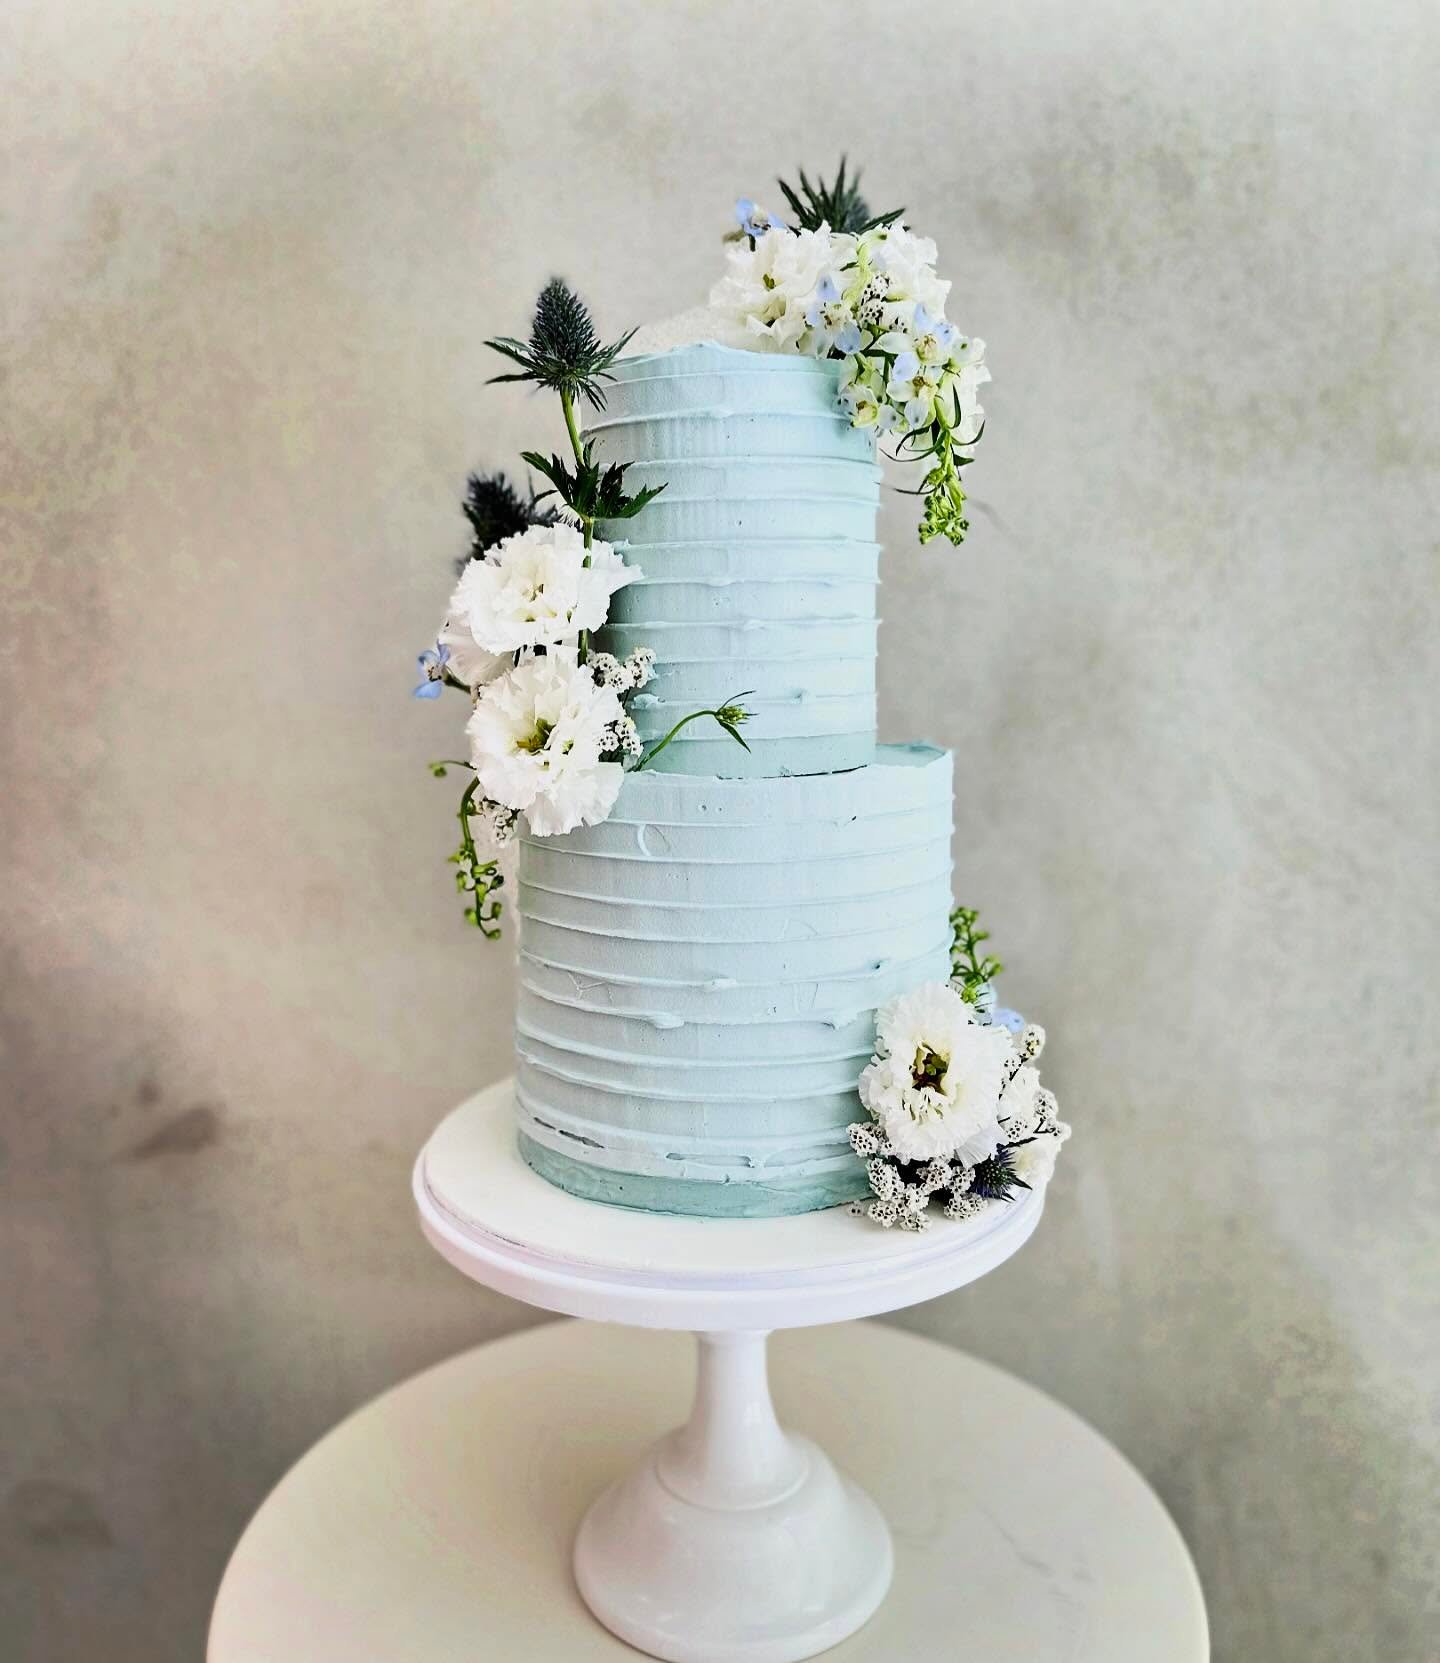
185, 1324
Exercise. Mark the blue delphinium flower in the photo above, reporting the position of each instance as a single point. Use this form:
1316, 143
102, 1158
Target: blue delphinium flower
754, 220
932, 336
831, 319
850, 339
432, 664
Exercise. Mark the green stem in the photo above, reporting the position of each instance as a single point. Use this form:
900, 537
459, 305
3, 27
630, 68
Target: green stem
587, 526
567, 404
486, 911
685, 721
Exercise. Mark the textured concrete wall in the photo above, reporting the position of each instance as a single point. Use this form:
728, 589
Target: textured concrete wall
1188, 665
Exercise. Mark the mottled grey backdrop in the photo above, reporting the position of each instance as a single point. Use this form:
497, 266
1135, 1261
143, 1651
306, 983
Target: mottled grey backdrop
1188, 665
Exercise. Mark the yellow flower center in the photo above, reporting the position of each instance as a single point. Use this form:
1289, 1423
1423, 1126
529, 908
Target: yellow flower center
928, 1069
535, 742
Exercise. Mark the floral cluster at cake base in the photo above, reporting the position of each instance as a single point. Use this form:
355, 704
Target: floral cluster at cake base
957, 1111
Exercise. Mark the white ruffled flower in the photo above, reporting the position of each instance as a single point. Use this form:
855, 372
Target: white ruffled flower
537, 736
772, 289
935, 1080
468, 661
536, 588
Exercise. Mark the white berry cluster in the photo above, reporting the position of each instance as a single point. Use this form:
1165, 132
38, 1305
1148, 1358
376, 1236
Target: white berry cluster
628, 677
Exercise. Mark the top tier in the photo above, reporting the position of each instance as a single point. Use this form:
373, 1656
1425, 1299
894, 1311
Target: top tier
760, 558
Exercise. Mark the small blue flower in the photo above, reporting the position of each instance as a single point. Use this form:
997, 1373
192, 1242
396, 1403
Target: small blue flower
941, 331
432, 664
754, 220
851, 338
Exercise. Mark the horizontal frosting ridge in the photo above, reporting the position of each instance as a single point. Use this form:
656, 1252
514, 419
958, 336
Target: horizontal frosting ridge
760, 548
699, 976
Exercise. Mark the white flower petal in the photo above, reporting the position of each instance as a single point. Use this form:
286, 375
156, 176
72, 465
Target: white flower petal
537, 735
536, 589
468, 661
952, 1109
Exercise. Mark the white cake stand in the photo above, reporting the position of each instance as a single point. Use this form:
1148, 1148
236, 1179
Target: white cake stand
732, 1539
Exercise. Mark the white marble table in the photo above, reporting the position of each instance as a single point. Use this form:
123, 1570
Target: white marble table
434, 1526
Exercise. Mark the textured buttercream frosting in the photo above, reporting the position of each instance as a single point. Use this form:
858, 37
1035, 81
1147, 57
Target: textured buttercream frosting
699, 976
759, 557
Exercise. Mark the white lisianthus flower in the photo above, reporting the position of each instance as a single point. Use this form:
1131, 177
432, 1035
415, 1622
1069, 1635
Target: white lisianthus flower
772, 289
935, 1080
1033, 1162
537, 736
537, 588
468, 661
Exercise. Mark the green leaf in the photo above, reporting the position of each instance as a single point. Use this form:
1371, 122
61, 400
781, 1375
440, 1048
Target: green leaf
839, 205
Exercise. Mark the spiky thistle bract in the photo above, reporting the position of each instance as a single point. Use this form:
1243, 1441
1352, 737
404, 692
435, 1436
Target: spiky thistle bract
497, 509
838, 205
564, 351
996, 1179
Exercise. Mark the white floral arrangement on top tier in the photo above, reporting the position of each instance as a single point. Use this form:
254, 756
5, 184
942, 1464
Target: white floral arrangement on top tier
957, 1110
842, 283
550, 738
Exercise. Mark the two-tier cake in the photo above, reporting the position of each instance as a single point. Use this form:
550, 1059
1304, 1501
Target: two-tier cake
736, 928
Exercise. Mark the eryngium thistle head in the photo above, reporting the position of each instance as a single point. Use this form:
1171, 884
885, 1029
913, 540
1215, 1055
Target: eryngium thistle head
562, 327
564, 351
996, 1179
496, 509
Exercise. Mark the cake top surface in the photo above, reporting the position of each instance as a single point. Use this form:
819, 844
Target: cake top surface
699, 326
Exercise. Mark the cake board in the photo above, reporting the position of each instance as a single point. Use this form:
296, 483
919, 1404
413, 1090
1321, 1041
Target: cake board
732, 1538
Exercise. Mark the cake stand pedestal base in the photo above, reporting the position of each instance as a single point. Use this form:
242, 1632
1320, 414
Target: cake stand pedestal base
434, 1525
732, 1539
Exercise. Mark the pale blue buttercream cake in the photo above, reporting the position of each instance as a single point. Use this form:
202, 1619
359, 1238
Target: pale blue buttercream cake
699, 973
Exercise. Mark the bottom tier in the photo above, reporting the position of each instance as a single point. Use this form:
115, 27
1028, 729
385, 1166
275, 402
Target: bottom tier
699, 977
